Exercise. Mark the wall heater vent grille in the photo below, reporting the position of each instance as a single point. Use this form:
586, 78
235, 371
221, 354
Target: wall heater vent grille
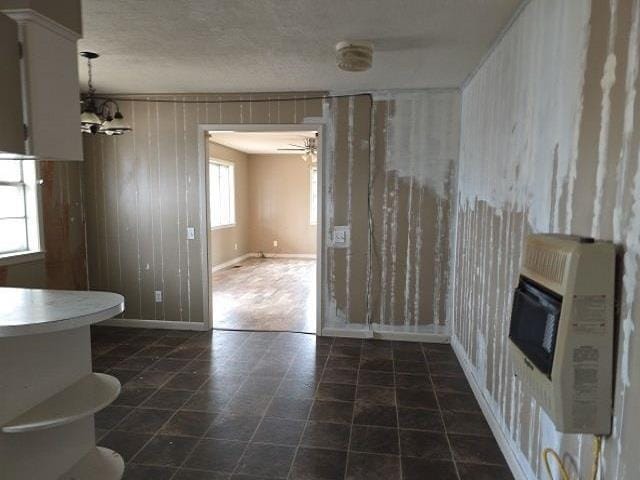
549, 264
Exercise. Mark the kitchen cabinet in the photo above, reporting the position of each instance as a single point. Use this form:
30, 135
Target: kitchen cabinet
11, 121
50, 90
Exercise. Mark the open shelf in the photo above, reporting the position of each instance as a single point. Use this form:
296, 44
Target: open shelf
99, 464
88, 395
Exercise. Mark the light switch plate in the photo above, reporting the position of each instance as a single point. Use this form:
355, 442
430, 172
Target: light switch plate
191, 233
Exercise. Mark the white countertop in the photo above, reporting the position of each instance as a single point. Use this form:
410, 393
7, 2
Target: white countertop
26, 311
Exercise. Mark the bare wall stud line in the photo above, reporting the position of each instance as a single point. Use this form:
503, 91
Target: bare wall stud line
371, 235
160, 210
137, 207
349, 204
179, 227
187, 191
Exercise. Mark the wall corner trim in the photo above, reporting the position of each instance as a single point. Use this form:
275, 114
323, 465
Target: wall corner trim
161, 324
507, 447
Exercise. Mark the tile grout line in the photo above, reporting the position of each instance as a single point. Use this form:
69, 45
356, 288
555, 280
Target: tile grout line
172, 416
200, 389
446, 433
175, 411
395, 395
264, 414
246, 356
353, 413
313, 401
134, 408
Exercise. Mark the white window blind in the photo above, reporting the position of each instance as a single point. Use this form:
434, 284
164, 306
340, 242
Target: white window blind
222, 194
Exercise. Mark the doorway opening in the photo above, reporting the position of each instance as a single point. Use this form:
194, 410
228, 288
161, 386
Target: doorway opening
264, 205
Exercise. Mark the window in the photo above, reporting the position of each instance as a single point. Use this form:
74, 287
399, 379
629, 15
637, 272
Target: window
222, 194
19, 222
313, 189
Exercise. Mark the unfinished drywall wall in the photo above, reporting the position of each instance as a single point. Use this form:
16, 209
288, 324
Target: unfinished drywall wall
64, 264
279, 205
416, 137
231, 242
389, 168
549, 142
393, 166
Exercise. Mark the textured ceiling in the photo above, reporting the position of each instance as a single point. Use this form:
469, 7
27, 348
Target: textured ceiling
262, 142
160, 46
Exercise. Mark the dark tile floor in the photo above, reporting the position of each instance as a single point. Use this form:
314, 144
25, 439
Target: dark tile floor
266, 405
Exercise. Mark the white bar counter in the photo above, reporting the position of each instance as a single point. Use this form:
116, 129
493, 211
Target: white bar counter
48, 393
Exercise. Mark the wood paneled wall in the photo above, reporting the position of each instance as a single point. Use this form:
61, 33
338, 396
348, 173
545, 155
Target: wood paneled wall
142, 193
64, 264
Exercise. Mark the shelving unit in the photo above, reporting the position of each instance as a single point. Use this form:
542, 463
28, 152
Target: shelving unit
99, 464
87, 396
49, 393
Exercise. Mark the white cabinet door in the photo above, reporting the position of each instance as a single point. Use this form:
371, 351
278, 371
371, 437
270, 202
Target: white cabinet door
11, 122
52, 91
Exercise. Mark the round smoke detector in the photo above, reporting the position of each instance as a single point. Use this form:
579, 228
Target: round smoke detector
354, 56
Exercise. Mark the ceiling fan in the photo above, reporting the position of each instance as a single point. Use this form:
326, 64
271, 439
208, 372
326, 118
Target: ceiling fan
309, 149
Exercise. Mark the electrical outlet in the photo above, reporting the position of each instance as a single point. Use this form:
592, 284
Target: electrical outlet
340, 236
158, 296
191, 233
275, 243
235, 246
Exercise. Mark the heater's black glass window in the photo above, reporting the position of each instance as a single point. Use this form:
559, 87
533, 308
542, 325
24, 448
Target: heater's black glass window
534, 323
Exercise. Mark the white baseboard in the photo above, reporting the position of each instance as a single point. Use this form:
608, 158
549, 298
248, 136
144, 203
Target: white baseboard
287, 255
231, 263
420, 333
348, 330
162, 324
413, 333
510, 451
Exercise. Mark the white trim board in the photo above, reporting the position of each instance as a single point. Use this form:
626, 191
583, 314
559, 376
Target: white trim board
161, 324
518, 464
287, 255
411, 333
419, 333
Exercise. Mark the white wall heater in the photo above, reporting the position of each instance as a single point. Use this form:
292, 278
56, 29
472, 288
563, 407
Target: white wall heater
561, 332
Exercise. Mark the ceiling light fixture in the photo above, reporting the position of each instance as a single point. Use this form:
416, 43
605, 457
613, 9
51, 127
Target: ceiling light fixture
354, 56
104, 118
309, 148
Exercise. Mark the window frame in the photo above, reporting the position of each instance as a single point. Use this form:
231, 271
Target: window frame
232, 193
29, 184
313, 195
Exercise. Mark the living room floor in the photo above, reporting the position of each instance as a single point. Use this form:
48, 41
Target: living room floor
268, 405
267, 294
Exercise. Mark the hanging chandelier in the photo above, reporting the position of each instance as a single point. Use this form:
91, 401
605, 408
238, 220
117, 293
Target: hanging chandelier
97, 116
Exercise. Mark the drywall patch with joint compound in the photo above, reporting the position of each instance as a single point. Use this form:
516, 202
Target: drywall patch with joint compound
423, 138
517, 111
512, 170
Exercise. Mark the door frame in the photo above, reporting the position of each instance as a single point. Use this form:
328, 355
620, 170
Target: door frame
203, 153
